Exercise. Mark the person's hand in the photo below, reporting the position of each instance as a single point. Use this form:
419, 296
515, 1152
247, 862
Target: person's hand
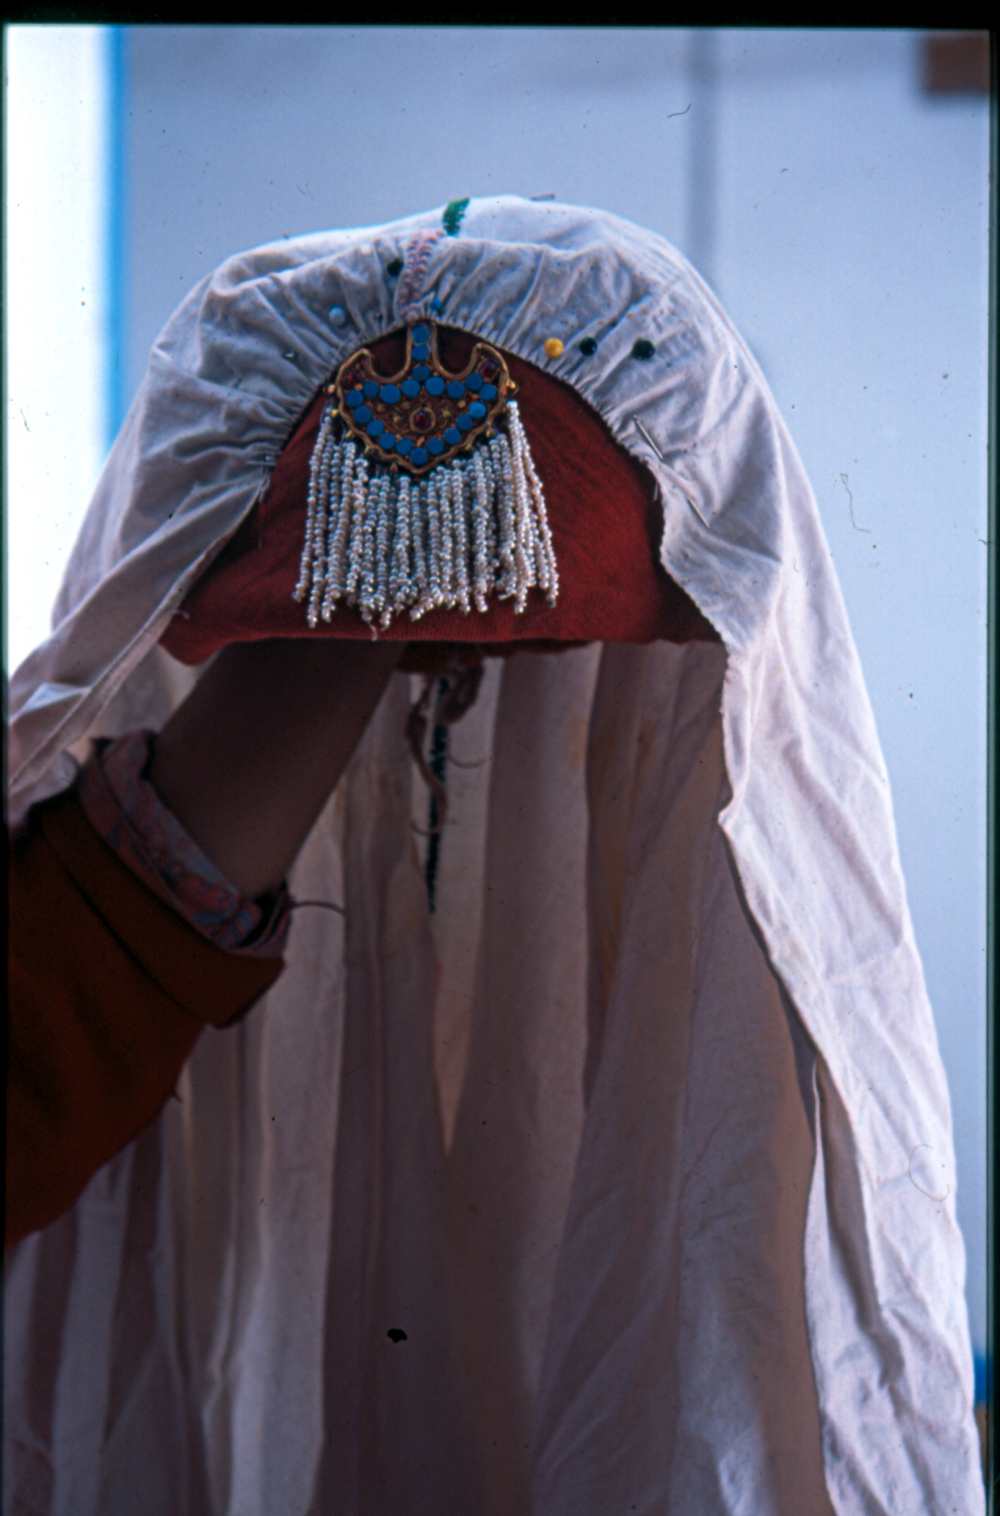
247, 762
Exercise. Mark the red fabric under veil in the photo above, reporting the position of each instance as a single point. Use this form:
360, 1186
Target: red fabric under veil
602, 512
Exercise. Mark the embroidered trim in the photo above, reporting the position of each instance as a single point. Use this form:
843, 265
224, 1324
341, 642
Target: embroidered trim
411, 282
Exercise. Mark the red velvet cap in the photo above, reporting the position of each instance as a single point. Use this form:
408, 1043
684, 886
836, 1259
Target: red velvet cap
602, 514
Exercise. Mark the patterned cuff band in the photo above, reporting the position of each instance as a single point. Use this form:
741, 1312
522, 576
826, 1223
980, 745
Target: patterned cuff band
127, 812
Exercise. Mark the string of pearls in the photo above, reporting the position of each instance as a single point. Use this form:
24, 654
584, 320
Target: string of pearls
400, 583
447, 595
387, 543
310, 567
482, 567
546, 572
355, 548
505, 562
433, 597
419, 535
340, 521
460, 510
382, 525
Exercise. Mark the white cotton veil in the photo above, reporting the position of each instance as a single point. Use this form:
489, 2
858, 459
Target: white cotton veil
643, 1138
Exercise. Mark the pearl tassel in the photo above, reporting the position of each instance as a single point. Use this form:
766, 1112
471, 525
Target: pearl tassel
418, 508
506, 564
355, 547
480, 533
311, 569
382, 541
340, 521
546, 571
458, 479
400, 584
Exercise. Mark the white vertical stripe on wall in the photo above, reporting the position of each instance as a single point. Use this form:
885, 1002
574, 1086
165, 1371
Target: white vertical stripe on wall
56, 296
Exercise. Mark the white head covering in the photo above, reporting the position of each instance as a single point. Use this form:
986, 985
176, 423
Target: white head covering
684, 1236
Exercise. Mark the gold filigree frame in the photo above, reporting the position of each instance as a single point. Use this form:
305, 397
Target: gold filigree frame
397, 416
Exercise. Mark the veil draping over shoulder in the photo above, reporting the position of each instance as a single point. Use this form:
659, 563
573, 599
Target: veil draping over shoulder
643, 1138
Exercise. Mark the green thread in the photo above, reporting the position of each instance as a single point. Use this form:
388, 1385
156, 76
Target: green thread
453, 213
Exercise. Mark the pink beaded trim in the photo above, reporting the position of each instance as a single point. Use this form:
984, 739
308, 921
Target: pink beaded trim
411, 281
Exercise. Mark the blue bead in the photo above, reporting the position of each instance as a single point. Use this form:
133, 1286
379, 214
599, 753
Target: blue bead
477, 410
354, 397
389, 393
387, 441
362, 414
421, 350
421, 372
435, 386
452, 435
421, 333
404, 446
456, 389
410, 388
475, 382
375, 426
371, 389
488, 392
336, 315
419, 455
464, 423
435, 445
436, 304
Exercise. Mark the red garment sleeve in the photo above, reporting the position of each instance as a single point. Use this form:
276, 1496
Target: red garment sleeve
108, 991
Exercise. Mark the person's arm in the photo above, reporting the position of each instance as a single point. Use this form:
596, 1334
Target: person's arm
247, 762
109, 988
